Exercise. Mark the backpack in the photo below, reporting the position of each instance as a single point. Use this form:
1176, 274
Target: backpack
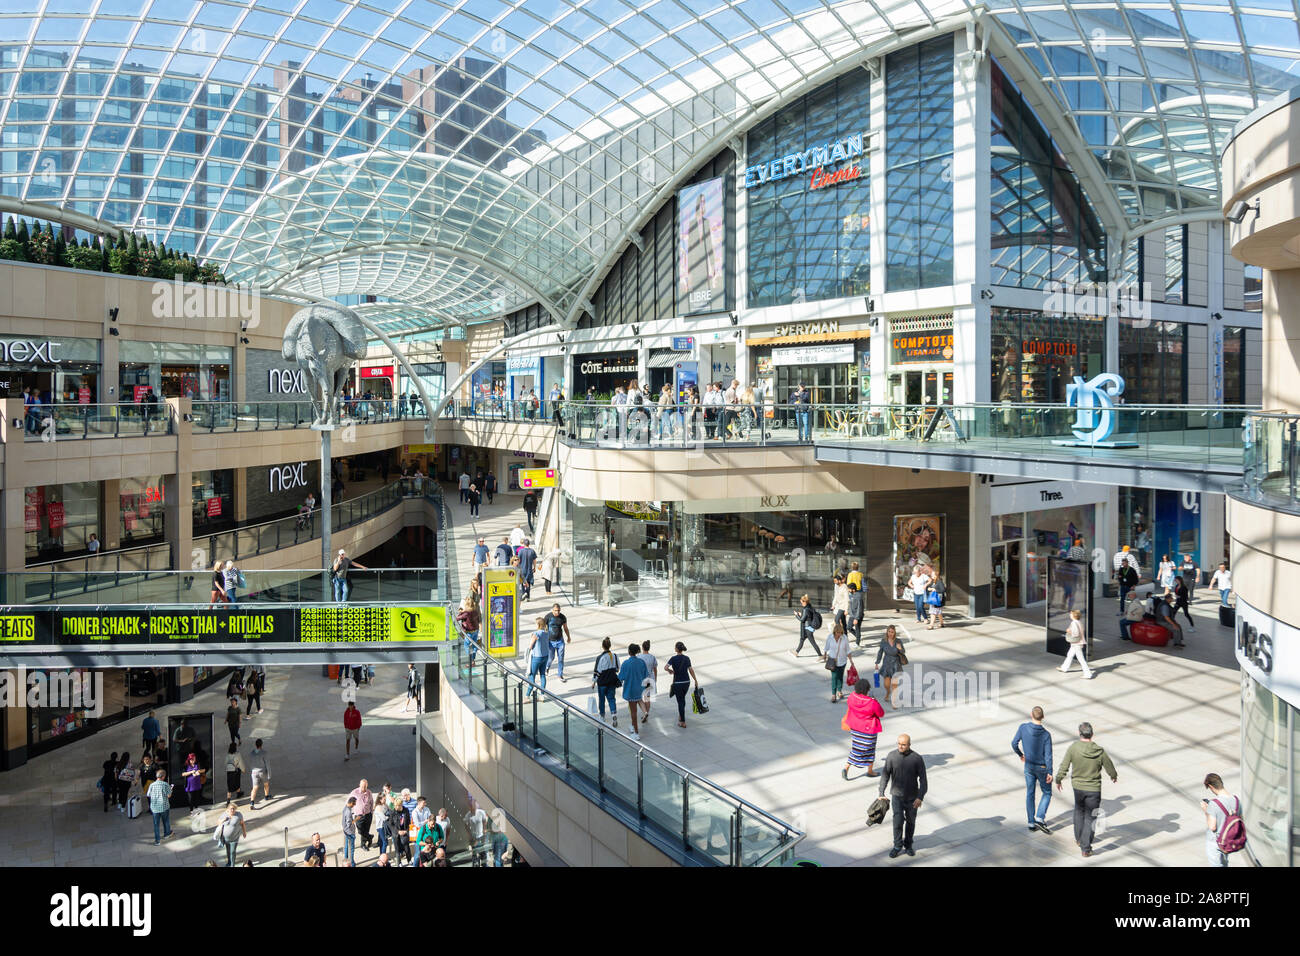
1231, 837
816, 621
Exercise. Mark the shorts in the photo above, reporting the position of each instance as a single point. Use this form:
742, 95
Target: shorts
259, 778
353, 735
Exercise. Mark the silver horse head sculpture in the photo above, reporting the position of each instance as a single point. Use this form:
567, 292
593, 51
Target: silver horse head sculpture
324, 340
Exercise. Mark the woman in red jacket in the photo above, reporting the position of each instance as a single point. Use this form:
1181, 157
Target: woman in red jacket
862, 721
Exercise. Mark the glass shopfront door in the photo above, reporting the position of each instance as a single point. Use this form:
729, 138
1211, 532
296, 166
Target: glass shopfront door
921, 387
998, 578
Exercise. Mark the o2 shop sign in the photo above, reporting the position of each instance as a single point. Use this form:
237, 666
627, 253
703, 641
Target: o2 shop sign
288, 477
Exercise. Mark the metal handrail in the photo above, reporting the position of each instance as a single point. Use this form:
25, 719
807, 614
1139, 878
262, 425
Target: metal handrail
104, 554
786, 829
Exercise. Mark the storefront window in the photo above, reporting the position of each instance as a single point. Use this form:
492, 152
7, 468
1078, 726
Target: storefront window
1175, 263
1265, 745
119, 693
1051, 534
172, 370
213, 500
58, 520
919, 154
1036, 355
596, 375
1234, 366
63, 371
1136, 513
1044, 228
142, 511
809, 241
1153, 362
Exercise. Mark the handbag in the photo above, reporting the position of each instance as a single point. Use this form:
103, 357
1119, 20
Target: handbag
908, 593
902, 656
851, 677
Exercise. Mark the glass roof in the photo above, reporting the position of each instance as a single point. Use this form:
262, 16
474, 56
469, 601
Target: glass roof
455, 159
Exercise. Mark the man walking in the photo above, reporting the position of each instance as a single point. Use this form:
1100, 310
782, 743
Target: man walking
364, 811
1085, 760
1037, 758
260, 770
1191, 576
1222, 581
150, 731
527, 564
160, 805
480, 555
351, 729
1218, 809
530, 508
464, 486
503, 553
1126, 572
233, 720
557, 631
904, 776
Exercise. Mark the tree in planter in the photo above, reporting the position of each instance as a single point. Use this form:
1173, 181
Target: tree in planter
41, 247
22, 236
10, 232
147, 262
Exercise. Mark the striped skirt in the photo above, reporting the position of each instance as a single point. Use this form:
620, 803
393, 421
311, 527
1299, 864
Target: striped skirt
864, 749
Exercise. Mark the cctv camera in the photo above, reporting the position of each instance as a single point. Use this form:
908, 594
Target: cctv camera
1237, 211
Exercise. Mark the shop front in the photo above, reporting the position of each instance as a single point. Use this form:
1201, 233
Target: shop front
597, 374
212, 501
1035, 355
1034, 521
141, 511
64, 371
524, 379
921, 360
663, 363
173, 370
377, 380
110, 695
488, 386
58, 520
831, 357
433, 375
1155, 523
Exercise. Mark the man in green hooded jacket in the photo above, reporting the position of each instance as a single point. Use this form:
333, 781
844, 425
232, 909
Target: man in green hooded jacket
1085, 760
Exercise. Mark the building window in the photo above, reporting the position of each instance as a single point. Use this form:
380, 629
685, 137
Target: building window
1035, 355
810, 232
1153, 362
1176, 264
1252, 292
59, 519
1044, 228
1234, 366
919, 156
1265, 799
141, 510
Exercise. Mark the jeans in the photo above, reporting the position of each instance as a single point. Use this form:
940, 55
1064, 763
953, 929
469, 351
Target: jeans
1124, 625
557, 655
904, 812
837, 679
231, 847
350, 848
806, 634
382, 834
679, 690
341, 590
1223, 596
499, 843
1085, 801
470, 646
1213, 854
919, 599
804, 419
165, 818
1123, 593
606, 694
537, 671
231, 597
1037, 775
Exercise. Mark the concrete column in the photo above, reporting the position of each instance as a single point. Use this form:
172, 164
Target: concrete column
239, 493
972, 329
12, 431
980, 579
972, 379
238, 372
1107, 531
111, 526
1112, 344
178, 491
741, 265
110, 372
877, 166
1213, 523
1215, 303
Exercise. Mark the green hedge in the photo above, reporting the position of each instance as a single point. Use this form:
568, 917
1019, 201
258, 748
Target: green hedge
128, 254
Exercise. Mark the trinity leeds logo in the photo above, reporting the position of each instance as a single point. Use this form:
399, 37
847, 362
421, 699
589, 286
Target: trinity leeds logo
199, 300
77, 910
61, 690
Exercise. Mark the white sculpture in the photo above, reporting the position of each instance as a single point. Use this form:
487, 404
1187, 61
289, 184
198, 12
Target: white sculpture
324, 340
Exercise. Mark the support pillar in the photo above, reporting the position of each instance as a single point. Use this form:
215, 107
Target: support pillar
980, 577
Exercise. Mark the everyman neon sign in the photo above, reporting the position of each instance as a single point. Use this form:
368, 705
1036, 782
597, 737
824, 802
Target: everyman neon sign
813, 161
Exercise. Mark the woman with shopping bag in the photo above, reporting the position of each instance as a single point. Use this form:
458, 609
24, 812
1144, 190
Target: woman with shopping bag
837, 657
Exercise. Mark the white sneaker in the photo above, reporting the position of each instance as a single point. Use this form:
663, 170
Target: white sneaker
614, 720
635, 736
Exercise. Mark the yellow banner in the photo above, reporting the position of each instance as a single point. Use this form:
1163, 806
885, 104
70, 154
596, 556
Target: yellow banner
538, 478
18, 627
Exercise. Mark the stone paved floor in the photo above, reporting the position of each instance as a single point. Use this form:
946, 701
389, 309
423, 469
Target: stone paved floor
1166, 717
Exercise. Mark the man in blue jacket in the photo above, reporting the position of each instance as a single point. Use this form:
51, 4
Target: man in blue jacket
1037, 758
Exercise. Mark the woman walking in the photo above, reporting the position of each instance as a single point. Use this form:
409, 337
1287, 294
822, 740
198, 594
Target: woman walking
1077, 640
470, 619
218, 595
862, 721
475, 499
840, 602
1165, 574
232, 577
539, 656
551, 569
918, 584
934, 600
890, 660
108, 782
1182, 595
605, 681
193, 775
229, 829
235, 768
837, 658
809, 620
125, 778
679, 666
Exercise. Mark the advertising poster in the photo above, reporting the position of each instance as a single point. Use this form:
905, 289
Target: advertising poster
31, 521
918, 539
214, 507
701, 240
55, 513
501, 595
686, 374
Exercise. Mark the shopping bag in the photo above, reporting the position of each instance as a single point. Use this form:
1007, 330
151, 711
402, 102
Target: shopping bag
852, 677
1098, 823
698, 704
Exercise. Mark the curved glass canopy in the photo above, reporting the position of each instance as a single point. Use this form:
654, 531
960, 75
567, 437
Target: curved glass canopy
449, 160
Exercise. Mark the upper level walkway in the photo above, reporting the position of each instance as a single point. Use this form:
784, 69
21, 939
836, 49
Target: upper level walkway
1177, 447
